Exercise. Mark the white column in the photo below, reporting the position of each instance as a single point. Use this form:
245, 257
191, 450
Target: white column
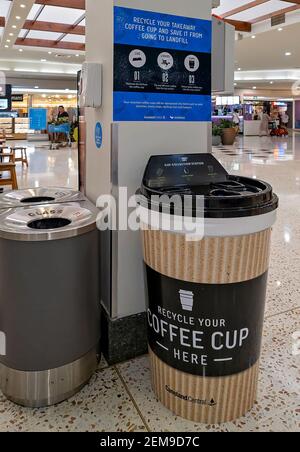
127, 146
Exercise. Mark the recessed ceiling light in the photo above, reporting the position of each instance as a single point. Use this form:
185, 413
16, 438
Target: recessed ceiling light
6, 46
239, 68
14, 26
288, 53
11, 34
36, 87
20, 50
8, 40
271, 83
235, 84
18, 17
22, 5
254, 87
253, 37
77, 55
43, 60
280, 29
49, 53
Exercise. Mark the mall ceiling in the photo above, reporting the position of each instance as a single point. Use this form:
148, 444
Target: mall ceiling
48, 36
249, 13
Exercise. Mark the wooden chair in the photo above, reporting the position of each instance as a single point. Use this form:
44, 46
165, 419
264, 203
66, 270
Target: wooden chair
23, 157
12, 178
7, 155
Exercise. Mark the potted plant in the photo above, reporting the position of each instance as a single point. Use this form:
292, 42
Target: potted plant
228, 132
216, 135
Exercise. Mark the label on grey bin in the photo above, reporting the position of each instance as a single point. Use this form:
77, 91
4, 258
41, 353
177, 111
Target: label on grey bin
2, 344
210, 330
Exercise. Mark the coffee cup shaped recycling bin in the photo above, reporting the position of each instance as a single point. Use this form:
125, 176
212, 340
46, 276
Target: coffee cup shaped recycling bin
206, 296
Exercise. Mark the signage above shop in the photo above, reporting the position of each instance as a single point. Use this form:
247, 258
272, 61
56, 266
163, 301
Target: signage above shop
17, 97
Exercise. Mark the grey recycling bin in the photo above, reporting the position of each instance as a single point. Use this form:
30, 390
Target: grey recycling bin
49, 305
41, 195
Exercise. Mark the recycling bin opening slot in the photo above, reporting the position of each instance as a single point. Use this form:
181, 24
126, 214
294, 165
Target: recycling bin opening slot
224, 193
37, 199
49, 223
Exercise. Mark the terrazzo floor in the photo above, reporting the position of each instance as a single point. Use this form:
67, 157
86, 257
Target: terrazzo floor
119, 398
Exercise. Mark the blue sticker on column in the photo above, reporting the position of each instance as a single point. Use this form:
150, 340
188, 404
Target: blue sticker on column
162, 67
98, 135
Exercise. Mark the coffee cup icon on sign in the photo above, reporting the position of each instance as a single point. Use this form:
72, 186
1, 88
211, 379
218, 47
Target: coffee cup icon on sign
187, 300
192, 64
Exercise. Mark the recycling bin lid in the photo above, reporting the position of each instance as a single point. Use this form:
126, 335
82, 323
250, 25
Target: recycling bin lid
48, 222
40, 195
224, 195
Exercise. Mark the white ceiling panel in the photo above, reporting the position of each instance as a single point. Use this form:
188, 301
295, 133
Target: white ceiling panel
33, 12
22, 33
58, 14
261, 10
268, 50
4, 7
74, 38
228, 5
34, 34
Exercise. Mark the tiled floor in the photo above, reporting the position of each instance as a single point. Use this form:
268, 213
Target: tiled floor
120, 398
47, 167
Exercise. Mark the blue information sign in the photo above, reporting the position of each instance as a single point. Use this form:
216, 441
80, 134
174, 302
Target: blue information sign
38, 118
162, 67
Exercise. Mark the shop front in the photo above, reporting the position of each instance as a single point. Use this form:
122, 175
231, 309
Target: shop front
280, 112
15, 120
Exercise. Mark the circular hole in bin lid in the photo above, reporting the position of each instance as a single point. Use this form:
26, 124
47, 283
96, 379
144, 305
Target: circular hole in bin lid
49, 223
37, 199
224, 193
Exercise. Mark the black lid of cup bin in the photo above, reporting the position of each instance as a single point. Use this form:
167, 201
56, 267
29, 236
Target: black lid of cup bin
225, 196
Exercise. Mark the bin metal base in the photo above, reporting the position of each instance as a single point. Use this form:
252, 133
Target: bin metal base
49, 387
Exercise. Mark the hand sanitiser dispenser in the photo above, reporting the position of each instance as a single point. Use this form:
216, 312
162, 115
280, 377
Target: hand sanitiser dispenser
90, 87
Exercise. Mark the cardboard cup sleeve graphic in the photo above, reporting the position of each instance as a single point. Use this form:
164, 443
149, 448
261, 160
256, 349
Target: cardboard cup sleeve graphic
187, 300
206, 297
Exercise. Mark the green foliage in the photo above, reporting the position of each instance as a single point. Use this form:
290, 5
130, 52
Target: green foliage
59, 121
216, 130
226, 124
